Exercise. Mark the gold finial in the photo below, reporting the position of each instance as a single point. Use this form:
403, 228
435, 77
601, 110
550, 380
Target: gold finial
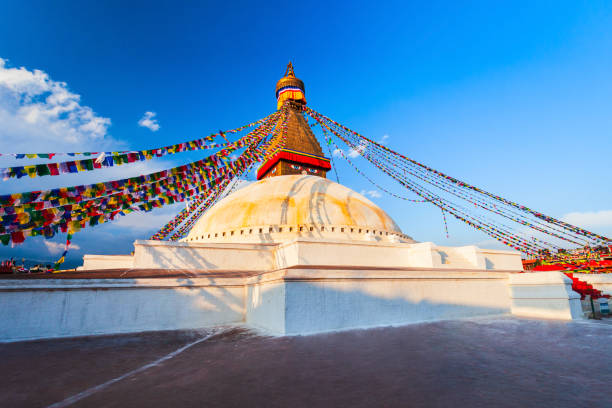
289, 70
289, 87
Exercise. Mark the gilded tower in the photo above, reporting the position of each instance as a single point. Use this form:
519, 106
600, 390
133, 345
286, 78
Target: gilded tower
301, 153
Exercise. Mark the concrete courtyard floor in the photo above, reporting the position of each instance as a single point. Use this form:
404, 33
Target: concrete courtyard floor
502, 362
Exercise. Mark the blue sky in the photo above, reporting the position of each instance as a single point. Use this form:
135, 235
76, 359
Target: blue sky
513, 97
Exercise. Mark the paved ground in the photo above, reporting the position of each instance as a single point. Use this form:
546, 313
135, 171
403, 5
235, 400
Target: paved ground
478, 363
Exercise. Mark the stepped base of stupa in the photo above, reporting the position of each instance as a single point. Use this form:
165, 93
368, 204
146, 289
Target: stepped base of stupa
296, 287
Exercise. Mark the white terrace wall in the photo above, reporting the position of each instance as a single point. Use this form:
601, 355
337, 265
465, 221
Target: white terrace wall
298, 287
266, 257
98, 262
34, 309
313, 300
203, 256
546, 295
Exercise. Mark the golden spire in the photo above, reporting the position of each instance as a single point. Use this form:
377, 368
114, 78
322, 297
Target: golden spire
289, 70
300, 152
290, 87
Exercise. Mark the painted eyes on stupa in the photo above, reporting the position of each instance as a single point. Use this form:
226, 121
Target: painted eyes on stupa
296, 167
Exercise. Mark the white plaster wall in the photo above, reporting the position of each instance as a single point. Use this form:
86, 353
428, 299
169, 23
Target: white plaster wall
265, 306
472, 255
359, 254
304, 251
392, 255
340, 253
502, 259
320, 306
288, 301
57, 308
546, 295
601, 281
422, 255
107, 262
321, 299
181, 255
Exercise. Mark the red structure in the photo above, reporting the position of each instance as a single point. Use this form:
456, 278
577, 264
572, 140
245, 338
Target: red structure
584, 288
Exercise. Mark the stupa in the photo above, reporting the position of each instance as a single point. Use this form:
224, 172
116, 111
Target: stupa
292, 253
293, 198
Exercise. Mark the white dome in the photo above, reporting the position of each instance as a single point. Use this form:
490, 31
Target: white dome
279, 208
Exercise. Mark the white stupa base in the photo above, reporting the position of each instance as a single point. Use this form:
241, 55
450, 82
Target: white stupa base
546, 295
269, 256
304, 301
292, 288
38, 309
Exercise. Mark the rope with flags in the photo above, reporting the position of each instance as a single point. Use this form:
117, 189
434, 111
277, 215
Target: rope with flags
68, 209
62, 258
204, 182
448, 193
110, 159
193, 212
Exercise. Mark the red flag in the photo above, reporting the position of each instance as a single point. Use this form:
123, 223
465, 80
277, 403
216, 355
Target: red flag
54, 169
17, 237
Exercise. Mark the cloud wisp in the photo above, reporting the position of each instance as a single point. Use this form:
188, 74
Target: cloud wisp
592, 219
370, 193
357, 151
38, 111
58, 247
148, 121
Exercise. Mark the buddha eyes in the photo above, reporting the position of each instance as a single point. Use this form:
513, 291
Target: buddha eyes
296, 167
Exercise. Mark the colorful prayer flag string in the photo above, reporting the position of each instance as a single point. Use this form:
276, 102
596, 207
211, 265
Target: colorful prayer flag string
110, 159
398, 167
179, 147
62, 258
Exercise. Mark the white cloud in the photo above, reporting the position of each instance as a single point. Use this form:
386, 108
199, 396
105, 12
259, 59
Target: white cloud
149, 121
38, 111
592, 219
371, 193
337, 152
58, 247
357, 151
383, 139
